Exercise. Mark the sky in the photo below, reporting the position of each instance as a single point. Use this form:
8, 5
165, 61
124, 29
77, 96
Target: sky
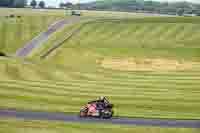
56, 2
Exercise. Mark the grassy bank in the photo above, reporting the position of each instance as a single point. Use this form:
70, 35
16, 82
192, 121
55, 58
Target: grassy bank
19, 126
135, 94
27, 23
105, 58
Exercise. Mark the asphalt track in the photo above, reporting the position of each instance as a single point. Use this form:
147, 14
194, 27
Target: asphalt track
43, 37
119, 121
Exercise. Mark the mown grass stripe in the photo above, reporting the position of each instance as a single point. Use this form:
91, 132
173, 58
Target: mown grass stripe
77, 90
76, 99
125, 81
114, 86
125, 95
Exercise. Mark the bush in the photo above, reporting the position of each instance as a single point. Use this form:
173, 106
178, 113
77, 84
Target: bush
2, 54
12, 16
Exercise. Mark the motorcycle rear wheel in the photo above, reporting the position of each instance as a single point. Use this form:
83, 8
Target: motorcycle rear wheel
106, 114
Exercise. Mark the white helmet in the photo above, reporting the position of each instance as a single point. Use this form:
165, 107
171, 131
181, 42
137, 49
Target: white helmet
102, 98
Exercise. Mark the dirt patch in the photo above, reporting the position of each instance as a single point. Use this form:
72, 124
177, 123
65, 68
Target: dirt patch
136, 64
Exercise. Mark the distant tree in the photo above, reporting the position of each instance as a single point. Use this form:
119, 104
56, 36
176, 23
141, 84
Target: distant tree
67, 5
149, 5
19, 3
197, 12
182, 5
62, 5
42, 4
33, 3
197, 9
180, 11
6, 3
11, 2
2, 54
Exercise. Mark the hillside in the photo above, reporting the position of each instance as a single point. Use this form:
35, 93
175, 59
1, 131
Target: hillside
25, 24
144, 6
148, 67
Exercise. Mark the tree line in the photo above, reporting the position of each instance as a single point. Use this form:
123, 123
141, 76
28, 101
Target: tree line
13, 3
148, 6
21, 3
35, 4
173, 8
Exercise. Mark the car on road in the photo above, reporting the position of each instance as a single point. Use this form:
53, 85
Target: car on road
76, 13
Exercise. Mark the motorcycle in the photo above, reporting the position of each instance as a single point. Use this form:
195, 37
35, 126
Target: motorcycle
93, 110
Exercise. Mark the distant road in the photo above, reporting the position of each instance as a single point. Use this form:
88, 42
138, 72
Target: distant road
43, 37
28, 115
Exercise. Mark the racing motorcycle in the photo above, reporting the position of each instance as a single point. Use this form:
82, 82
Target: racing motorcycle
97, 109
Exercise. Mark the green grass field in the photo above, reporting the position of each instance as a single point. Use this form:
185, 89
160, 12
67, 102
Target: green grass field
105, 58
15, 32
21, 126
113, 14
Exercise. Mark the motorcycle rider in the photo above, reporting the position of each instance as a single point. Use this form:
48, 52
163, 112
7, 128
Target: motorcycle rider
95, 107
104, 100
101, 103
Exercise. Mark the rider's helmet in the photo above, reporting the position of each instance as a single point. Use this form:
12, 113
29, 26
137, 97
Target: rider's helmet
102, 98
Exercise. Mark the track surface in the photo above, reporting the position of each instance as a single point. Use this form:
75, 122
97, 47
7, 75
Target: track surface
121, 121
40, 39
